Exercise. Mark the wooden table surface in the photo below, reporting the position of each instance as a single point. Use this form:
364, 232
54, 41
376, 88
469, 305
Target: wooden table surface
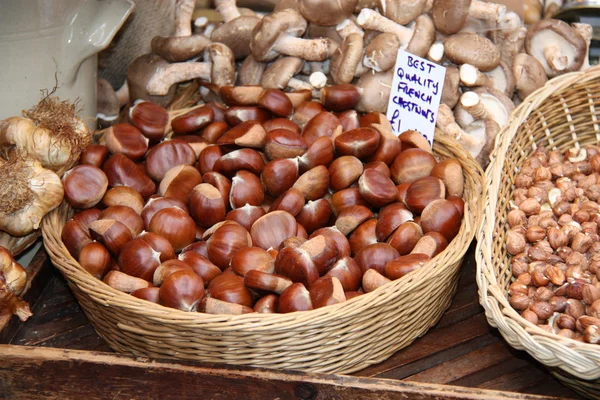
461, 350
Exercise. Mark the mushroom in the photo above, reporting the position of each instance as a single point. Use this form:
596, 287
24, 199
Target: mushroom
381, 53
139, 72
236, 31
219, 71
436, 52
556, 45
510, 36
326, 12
416, 40
278, 33
182, 45
346, 58
315, 31
251, 71
482, 103
477, 138
375, 91
500, 78
280, 75
285, 4
529, 74
552, 7
347, 27
586, 32
402, 12
451, 16
474, 49
532, 11
107, 103
451, 89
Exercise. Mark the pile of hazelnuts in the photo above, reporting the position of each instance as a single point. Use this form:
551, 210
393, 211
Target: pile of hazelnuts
555, 243
285, 205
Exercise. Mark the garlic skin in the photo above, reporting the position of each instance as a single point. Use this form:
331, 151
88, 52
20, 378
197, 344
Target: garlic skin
13, 279
55, 153
46, 194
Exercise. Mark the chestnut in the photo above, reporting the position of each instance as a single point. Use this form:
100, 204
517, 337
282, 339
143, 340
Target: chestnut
281, 123
182, 290
422, 192
113, 234
267, 304
326, 291
226, 241
263, 281
351, 217
360, 142
323, 124
314, 183
151, 119
207, 206
379, 166
247, 134
349, 120
314, 215
95, 258
403, 265
412, 164
276, 101
247, 159
155, 204
376, 188
252, 258
126, 139
362, 236
167, 155
431, 244
341, 242
179, 182
405, 237
306, 111
375, 256
138, 258
94, 154
124, 196
389, 145
450, 172
121, 171
214, 131
237, 114
284, 143
390, 218
414, 140
295, 298
125, 283
221, 182
340, 97
296, 264
230, 287
344, 171
193, 120
322, 250
84, 185
246, 215
273, 228
291, 201
207, 158
201, 265
279, 175
347, 197
167, 268
149, 294
373, 280
75, 237
348, 272
246, 188
443, 217
125, 215
175, 225
211, 305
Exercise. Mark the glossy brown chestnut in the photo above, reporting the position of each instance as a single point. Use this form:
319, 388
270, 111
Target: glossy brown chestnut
151, 119
347, 197
208, 157
323, 252
296, 264
236, 160
247, 134
340, 97
252, 258
422, 192
389, 145
360, 142
167, 155
281, 123
344, 171
126, 139
350, 217
267, 304
124, 196
125, 215
149, 294
125, 283
175, 225
84, 186
362, 236
279, 175
265, 282
221, 182
210, 305
313, 183
375, 256
283, 143
323, 124
238, 114
165, 269
314, 215
306, 111
390, 218
273, 228
295, 298
214, 131
431, 244
230, 287
450, 172
246, 188
207, 206
112, 234
412, 164
276, 102
403, 265
121, 171
373, 280
320, 153
226, 241
193, 120
443, 217
414, 140
155, 204
201, 265
349, 120
348, 272
95, 258
326, 291
341, 242
405, 237
376, 188
139, 259
182, 290
246, 215
94, 154
179, 182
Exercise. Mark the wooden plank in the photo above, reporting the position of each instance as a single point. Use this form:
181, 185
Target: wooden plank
431, 343
44, 373
39, 272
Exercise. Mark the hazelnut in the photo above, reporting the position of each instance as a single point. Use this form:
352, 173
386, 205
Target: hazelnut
535, 234
516, 217
530, 206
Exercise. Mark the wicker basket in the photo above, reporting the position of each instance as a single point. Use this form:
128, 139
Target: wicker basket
563, 114
338, 339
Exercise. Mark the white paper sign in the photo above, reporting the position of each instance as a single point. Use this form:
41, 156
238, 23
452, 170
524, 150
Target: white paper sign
415, 96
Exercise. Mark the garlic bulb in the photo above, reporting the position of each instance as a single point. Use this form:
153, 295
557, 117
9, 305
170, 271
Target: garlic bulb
27, 193
12, 282
51, 133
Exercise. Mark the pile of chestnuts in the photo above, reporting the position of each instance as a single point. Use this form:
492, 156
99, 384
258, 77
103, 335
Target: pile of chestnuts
555, 243
285, 205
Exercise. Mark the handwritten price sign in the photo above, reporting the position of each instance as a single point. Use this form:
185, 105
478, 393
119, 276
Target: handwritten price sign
415, 96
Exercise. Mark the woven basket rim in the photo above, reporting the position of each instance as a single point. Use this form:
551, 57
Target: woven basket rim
452, 254
519, 332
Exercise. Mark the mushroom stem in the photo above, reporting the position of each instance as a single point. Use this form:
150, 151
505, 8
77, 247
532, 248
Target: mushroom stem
586, 31
371, 19
487, 11
227, 9
183, 17
473, 105
347, 27
436, 52
171, 74
556, 60
471, 76
123, 94
307, 49
446, 123
318, 79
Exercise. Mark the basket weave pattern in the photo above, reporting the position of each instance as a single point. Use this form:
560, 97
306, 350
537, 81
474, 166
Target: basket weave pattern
337, 339
561, 115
